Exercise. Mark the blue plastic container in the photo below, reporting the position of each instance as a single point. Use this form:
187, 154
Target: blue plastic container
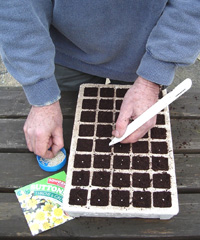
49, 166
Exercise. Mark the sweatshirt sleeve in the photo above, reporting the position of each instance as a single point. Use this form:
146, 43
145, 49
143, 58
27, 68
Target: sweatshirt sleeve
174, 41
27, 49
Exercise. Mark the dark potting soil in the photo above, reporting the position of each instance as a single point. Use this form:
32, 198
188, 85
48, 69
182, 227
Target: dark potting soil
121, 92
161, 180
116, 116
120, 198
102, 161
105, 104
121, 180
78, 196
101, 179
159, 147
118, 104
141, 180
140, 163
162, 199
121, 162
82, 161
80, 178
159, 133
87, 116
89, 104
140, 147
104, 131
105, 117
146, 135
84, 145
142, 199
160, 119
106, 92
121, 148
102, 145
99, 197
160, 163
86, 130
90, 92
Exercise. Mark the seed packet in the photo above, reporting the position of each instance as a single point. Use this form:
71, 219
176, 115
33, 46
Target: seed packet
41, 203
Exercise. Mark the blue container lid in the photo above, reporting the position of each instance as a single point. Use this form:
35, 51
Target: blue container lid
53, 164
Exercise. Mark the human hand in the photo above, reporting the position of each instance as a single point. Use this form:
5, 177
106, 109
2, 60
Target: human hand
141, 96
43, 130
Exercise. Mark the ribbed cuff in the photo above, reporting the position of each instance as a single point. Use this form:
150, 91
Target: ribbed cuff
42, 93
156, 71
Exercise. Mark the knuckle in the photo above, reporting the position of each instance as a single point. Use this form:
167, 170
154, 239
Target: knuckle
25, 129
119, 125
29, 131
61, 145
30, 149
39, 152
39, 133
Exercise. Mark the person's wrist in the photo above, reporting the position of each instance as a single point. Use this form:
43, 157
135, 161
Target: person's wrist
148, 84
54, 104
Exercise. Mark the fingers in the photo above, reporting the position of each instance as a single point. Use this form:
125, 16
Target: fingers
43, 145
125, 115
140, 132
48, 147
50, 143
58, 141
28, 139
121, 126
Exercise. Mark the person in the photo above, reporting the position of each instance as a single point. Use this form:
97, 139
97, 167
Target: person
140, 42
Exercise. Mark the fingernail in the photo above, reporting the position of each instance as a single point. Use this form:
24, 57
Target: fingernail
116, 133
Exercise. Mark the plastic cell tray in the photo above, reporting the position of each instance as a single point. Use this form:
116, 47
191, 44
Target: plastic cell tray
124, 180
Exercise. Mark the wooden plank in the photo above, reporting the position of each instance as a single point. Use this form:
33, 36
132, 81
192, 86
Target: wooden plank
12, 136
13, 164
185, 133
188, 105
13, 103
187, 168
20, 169
191, 71
184, 225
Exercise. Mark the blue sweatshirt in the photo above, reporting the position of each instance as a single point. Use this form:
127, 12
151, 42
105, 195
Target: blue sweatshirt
107, 38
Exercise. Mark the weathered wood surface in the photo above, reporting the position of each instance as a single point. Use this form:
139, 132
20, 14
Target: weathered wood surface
184, 225
12, 136
14, 104
11, 177
185, 132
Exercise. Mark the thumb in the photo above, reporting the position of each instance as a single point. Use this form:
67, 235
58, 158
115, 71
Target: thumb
58, 141
50, 142
121, 125
49, 154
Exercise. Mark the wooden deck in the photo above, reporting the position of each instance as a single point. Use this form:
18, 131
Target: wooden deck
19, 168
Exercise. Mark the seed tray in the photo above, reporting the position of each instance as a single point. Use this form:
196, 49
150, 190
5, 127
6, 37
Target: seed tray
124, 180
